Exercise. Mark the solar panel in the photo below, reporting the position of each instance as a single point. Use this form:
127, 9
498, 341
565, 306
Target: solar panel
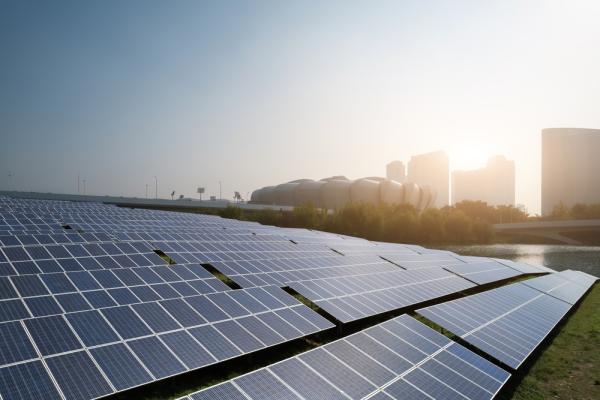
27, 381
78, 377
567, 285
508, 323
352, 298
483, 272
373, 364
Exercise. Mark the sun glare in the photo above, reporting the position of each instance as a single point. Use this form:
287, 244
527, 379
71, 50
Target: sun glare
468, 157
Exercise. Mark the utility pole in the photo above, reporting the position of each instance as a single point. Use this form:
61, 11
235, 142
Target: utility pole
155, 187
146, 190
77, 182
220, 191
84, 187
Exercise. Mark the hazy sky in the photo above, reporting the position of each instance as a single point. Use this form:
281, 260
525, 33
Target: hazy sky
257, 93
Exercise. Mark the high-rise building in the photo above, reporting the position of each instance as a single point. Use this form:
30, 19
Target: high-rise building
431, 169
570, 167
395, 171
494, 184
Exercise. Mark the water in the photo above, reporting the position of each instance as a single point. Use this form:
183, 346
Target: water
558, 257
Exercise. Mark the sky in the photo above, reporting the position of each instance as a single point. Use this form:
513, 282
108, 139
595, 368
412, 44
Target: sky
255, 93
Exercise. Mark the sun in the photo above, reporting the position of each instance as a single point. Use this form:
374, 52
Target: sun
469, 156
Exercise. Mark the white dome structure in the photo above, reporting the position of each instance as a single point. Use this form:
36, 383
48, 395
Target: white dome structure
283, 195
412, 193
335, 192
365, 191
391, 192
308, 191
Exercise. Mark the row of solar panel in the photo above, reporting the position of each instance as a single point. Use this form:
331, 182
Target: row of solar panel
398, 359
63, 237
510, 322
94, 353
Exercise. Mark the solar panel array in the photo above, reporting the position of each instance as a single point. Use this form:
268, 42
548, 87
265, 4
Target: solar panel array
86, 314
568, 285
285, 270
354, 297
510, 322
398, 359
96, 299
483, 272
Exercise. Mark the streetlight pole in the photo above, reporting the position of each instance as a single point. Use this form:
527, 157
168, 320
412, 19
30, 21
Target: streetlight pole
155, 187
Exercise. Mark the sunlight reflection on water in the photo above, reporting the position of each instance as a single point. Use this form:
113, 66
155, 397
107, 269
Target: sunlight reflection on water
558, 257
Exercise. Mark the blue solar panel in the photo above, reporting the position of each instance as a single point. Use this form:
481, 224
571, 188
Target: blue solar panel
156, 317
261, 331
92, 328
58, 283
507, 323
52, 335
225, 391
43, 306
72, 302
6, 289
127, 324
123, 296
206, 308
99, 299
11, 310
341, 376
29, 381
120, 366
215, 342
78, 377
305, 381
187, 349
14, 344
362, 366
29, 285
156, 357
263, 384
183, 313
239, 336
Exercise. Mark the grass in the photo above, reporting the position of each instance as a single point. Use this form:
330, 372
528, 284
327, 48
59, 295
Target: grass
569, 367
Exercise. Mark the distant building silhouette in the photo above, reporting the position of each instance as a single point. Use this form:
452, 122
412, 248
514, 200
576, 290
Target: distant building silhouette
494, 184
395, 171
337, 191
431, 169
570, 167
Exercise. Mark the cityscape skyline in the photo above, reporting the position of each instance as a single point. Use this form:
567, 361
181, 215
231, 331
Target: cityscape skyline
248, 95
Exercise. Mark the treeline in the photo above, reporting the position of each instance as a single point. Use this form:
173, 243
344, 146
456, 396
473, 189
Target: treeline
578, 211
465, 222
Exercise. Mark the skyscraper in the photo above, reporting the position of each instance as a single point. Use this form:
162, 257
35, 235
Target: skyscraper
494, 184
395, 171
570, 167
431, 169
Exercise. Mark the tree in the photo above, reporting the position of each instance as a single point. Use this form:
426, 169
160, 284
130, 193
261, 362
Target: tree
458, 227
432, 226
